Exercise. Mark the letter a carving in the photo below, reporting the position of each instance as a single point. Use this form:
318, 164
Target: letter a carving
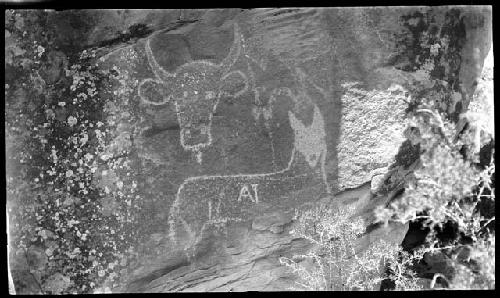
245, 193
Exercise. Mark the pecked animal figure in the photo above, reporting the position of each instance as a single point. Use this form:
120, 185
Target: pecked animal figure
195, 89
206, 200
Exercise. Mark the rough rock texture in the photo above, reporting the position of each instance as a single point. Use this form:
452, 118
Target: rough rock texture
233, 118
247, 115
372, 127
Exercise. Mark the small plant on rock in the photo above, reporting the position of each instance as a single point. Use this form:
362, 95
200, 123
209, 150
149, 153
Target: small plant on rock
335, 262
450, 189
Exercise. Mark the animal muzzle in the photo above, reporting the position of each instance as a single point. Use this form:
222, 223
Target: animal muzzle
196, 135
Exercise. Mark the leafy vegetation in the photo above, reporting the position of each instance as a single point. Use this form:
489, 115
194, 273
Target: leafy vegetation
447, 189
451, 193
334, 263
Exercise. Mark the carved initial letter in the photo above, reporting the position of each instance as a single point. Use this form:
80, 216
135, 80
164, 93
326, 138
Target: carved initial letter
254, 187
245, 193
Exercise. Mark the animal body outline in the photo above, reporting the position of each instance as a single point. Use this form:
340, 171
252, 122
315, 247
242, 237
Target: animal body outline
221, 71
186, 212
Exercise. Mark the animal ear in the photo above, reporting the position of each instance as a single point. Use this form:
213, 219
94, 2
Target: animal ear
234, 83
153, 92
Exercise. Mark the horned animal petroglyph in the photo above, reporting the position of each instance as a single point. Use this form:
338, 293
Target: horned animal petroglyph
195, 89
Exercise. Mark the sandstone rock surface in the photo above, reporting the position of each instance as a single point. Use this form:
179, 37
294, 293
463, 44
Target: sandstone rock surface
234, 118
262, 111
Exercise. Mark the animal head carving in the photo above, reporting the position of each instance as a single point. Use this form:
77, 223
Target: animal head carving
195, 89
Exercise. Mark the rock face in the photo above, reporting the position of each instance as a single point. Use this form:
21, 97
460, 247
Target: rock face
236, 117
247, 115
250, 114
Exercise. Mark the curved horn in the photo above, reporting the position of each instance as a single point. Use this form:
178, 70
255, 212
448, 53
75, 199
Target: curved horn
159, 72
234, 52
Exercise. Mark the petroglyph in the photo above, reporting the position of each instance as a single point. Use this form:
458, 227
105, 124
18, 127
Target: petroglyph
204, 200
264, 98
246, 194
308, 139
195, 89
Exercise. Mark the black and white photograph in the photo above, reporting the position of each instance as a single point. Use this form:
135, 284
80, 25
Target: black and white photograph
267, 149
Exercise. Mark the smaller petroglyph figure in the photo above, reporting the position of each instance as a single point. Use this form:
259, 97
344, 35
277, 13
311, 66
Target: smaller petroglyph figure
234, 195
195, 89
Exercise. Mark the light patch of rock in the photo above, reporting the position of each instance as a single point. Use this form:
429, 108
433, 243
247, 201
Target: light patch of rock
371, 131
